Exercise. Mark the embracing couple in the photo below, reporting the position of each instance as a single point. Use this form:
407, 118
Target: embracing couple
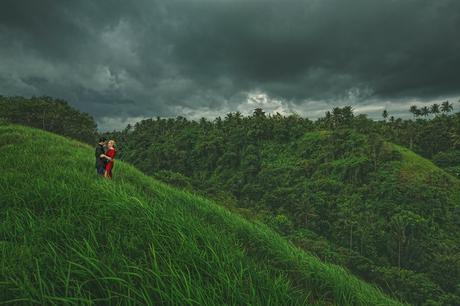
105, 155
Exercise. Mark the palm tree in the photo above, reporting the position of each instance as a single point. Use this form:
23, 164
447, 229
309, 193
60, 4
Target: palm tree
328, 119
228, 117
238, 117
414, 110
347, 115
258, 113
424, 111
336, 116
434, 109
446, 107
385, 114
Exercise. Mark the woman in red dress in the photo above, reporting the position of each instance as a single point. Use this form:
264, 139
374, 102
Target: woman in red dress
111, 152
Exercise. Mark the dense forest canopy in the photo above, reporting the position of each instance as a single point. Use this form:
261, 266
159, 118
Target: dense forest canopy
346, 188
434, 133
49, 114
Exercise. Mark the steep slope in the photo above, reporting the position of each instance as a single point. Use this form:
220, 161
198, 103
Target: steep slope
68, 237
391, 216
396, 212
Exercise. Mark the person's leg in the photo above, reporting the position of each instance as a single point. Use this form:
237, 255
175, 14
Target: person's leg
100, 171
108, 170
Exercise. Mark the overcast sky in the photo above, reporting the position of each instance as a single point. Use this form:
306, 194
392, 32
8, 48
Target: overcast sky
125, 60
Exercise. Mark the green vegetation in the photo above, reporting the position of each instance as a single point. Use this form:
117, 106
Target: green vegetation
49, 114
363, 194
336, 187
69, 237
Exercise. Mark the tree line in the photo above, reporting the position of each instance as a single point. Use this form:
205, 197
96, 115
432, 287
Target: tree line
49, 114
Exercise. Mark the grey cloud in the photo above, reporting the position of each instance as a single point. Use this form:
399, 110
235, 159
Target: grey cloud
133, 59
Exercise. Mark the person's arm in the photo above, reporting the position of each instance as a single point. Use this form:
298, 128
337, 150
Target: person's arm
105, 156
100, 154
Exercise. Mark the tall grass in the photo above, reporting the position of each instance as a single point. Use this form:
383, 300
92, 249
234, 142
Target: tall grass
68, 237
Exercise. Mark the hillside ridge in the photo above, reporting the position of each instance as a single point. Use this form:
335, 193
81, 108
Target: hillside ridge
135, 240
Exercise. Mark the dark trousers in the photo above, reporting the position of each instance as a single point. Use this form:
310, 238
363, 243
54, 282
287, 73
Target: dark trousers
100, 170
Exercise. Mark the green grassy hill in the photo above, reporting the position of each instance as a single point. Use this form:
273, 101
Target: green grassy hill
353, 199
397, 213
69, 237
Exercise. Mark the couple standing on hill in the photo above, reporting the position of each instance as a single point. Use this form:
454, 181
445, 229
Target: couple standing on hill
105, 155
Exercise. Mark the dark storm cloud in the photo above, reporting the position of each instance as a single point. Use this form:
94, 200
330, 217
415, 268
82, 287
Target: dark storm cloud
134, 59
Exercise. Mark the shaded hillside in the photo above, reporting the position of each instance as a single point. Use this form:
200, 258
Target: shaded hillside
69, 237
381, 201
397, 213
49, 114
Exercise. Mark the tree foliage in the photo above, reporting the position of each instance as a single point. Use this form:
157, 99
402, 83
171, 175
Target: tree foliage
49, 114
384, 211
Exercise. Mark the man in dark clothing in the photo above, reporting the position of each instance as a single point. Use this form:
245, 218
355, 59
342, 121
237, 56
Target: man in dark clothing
100, 157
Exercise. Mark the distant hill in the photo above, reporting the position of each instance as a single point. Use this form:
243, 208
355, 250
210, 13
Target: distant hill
397, 213
69, 237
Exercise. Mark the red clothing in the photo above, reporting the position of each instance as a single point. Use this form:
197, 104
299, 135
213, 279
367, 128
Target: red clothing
108, 167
